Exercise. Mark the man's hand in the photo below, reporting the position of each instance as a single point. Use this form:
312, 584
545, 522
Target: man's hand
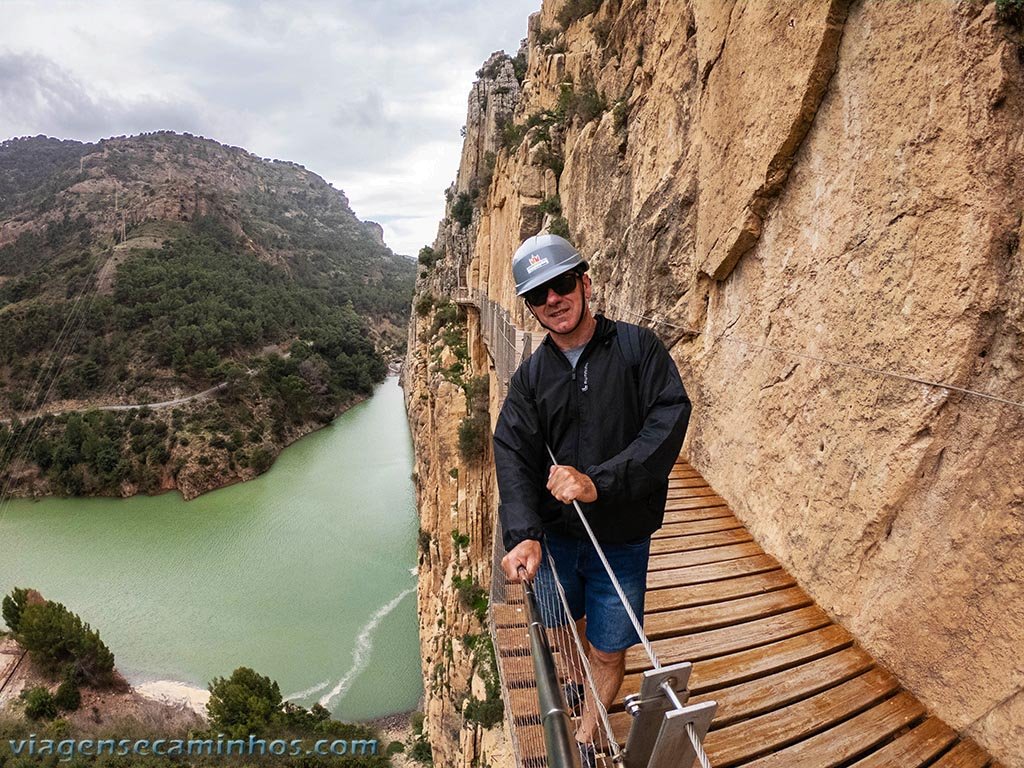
568, 483
526, 554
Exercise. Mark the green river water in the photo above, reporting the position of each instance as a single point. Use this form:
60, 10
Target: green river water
303, 574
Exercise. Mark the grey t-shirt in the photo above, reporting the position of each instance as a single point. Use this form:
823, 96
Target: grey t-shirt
574, 354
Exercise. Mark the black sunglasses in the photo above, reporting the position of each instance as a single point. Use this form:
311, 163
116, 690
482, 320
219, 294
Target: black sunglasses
563, 285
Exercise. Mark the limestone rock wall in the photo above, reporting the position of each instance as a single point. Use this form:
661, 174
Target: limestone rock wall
447, 378
809, 200
893, 244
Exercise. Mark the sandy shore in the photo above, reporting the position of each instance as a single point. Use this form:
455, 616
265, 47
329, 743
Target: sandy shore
173, 692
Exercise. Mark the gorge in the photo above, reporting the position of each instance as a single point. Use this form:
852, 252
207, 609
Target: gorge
818, 207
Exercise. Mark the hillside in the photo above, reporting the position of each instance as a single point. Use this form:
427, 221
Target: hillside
145, 269
818, 207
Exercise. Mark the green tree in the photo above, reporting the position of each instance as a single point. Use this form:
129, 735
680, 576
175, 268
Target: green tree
60, 641
13, 606
244, 703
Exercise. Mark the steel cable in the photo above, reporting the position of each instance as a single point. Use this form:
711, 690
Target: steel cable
838, 363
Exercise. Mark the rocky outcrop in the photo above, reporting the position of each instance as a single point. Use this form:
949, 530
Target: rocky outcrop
450, 393
818, 206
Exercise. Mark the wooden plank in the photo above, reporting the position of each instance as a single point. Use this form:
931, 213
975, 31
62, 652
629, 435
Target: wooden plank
697, 526
718, 642
524, 706
509, 615
513, 642
517, 670
716, 591
699, 513
914, 748
531, 745
767, 733
849, 739
966, 754
733, 668
699, 541
701, 574
767, 659
681, 470
699, 503
725, 614
691, 493
702, 556
513, 593
687, 482
781, 689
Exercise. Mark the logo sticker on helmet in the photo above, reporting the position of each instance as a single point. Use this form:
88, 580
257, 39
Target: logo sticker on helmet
536, 262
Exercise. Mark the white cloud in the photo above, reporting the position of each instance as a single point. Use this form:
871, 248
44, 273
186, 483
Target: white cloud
369, 95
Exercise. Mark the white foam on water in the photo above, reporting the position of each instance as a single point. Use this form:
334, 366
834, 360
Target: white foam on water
308, 691
361, 653
413, 570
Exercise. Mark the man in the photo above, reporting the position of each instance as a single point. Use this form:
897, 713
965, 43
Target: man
607, 398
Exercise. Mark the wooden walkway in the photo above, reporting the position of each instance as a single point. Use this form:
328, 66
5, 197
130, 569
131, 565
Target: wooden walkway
793, 688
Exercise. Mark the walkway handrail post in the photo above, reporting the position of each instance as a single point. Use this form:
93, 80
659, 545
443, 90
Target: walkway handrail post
658, 737
555, 717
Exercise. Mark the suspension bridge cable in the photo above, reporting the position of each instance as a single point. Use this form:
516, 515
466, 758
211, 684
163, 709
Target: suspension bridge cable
644, 640
611, 575
585, 663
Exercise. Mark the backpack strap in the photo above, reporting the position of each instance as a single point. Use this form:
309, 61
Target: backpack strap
533, 372
628, 338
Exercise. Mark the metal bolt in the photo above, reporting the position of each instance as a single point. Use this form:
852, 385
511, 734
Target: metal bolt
632, 704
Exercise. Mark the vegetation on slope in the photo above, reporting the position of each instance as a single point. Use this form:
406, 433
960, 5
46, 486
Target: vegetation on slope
265, 284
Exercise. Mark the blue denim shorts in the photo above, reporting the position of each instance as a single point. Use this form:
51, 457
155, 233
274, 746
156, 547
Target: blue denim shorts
589, 591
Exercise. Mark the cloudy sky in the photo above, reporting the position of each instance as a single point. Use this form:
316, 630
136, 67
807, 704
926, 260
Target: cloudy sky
370, 95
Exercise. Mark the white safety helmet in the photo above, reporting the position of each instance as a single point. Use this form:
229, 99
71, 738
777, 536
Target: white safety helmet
541, 258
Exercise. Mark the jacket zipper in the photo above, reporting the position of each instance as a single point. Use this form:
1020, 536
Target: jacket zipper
579, 423
575, 392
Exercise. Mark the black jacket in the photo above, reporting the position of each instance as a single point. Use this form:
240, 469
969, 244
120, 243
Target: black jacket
620, 417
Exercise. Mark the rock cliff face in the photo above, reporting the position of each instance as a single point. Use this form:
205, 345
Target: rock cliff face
818, 206
451, 395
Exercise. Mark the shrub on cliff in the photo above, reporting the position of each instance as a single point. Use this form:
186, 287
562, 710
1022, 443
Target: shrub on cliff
424, 304
487, 712
574, 10
60, 642
511, 134
428, 256
68, 697
474, 430
586, 103
559, 226
39, 704
462, 209
1010, 12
